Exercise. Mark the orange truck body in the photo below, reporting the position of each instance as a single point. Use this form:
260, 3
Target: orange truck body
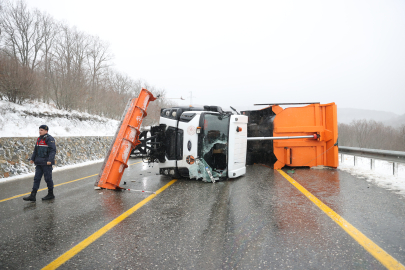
279, 135
126, 138
296, 121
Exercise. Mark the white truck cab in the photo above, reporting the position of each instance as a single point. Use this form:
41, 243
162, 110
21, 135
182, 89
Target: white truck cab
203, 143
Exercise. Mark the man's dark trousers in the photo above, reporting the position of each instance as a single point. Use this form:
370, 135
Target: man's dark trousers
46, 171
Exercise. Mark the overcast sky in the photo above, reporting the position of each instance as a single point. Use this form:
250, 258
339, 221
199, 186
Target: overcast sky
240, 53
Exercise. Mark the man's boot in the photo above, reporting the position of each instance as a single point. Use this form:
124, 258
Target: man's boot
31, 197
50, 195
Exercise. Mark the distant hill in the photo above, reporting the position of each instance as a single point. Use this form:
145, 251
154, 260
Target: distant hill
347, 115
398, 121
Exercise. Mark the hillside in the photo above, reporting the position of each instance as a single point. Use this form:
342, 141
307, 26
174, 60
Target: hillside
347, 115
398, 121
24, 120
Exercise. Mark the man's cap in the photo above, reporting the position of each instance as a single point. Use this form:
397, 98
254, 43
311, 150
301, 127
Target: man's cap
44, 127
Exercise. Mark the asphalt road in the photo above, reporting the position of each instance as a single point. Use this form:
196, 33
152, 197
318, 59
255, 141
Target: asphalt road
258, 221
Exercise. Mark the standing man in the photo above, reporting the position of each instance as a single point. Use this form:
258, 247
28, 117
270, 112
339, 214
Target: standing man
44, 158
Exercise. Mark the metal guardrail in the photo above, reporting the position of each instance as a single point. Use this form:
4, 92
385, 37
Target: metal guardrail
392, 156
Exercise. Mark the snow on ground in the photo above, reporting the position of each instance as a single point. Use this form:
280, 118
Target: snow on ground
24, 121
382, 175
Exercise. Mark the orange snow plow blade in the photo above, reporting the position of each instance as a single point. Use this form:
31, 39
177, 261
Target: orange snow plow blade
295, 121
125, 140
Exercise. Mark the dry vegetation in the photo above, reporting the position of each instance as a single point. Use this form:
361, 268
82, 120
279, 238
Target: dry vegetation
46, 60
372, 134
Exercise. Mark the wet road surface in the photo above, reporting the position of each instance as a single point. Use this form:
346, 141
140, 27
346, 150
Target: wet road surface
258, 221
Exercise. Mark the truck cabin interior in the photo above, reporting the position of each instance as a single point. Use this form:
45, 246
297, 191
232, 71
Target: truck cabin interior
216, 157
213, 141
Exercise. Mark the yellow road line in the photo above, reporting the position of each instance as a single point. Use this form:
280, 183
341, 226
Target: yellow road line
381, 255
82, 245
20, 195
135, 163
16, 196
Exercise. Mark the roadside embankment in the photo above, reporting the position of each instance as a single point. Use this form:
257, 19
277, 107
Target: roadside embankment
16, 152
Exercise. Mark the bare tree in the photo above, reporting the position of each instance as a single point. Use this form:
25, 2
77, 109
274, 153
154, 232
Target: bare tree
1, 19
67, 72
401, 138
98, 59
363, 131
156, 106
23, 33
53, 62
16, 81
50, 30
372, 134
122, 88
21, 42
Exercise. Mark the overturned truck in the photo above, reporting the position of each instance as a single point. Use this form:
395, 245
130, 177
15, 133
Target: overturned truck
211, 144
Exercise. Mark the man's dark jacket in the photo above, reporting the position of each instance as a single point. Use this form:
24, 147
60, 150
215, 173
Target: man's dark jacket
44, 151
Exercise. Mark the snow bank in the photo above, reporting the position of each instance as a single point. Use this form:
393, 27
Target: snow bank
381, 176
24, 120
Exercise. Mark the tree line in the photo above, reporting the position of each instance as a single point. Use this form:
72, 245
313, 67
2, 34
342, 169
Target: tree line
49, 61
372, 134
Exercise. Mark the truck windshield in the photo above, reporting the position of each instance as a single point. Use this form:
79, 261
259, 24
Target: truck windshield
214, 148
212, 161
